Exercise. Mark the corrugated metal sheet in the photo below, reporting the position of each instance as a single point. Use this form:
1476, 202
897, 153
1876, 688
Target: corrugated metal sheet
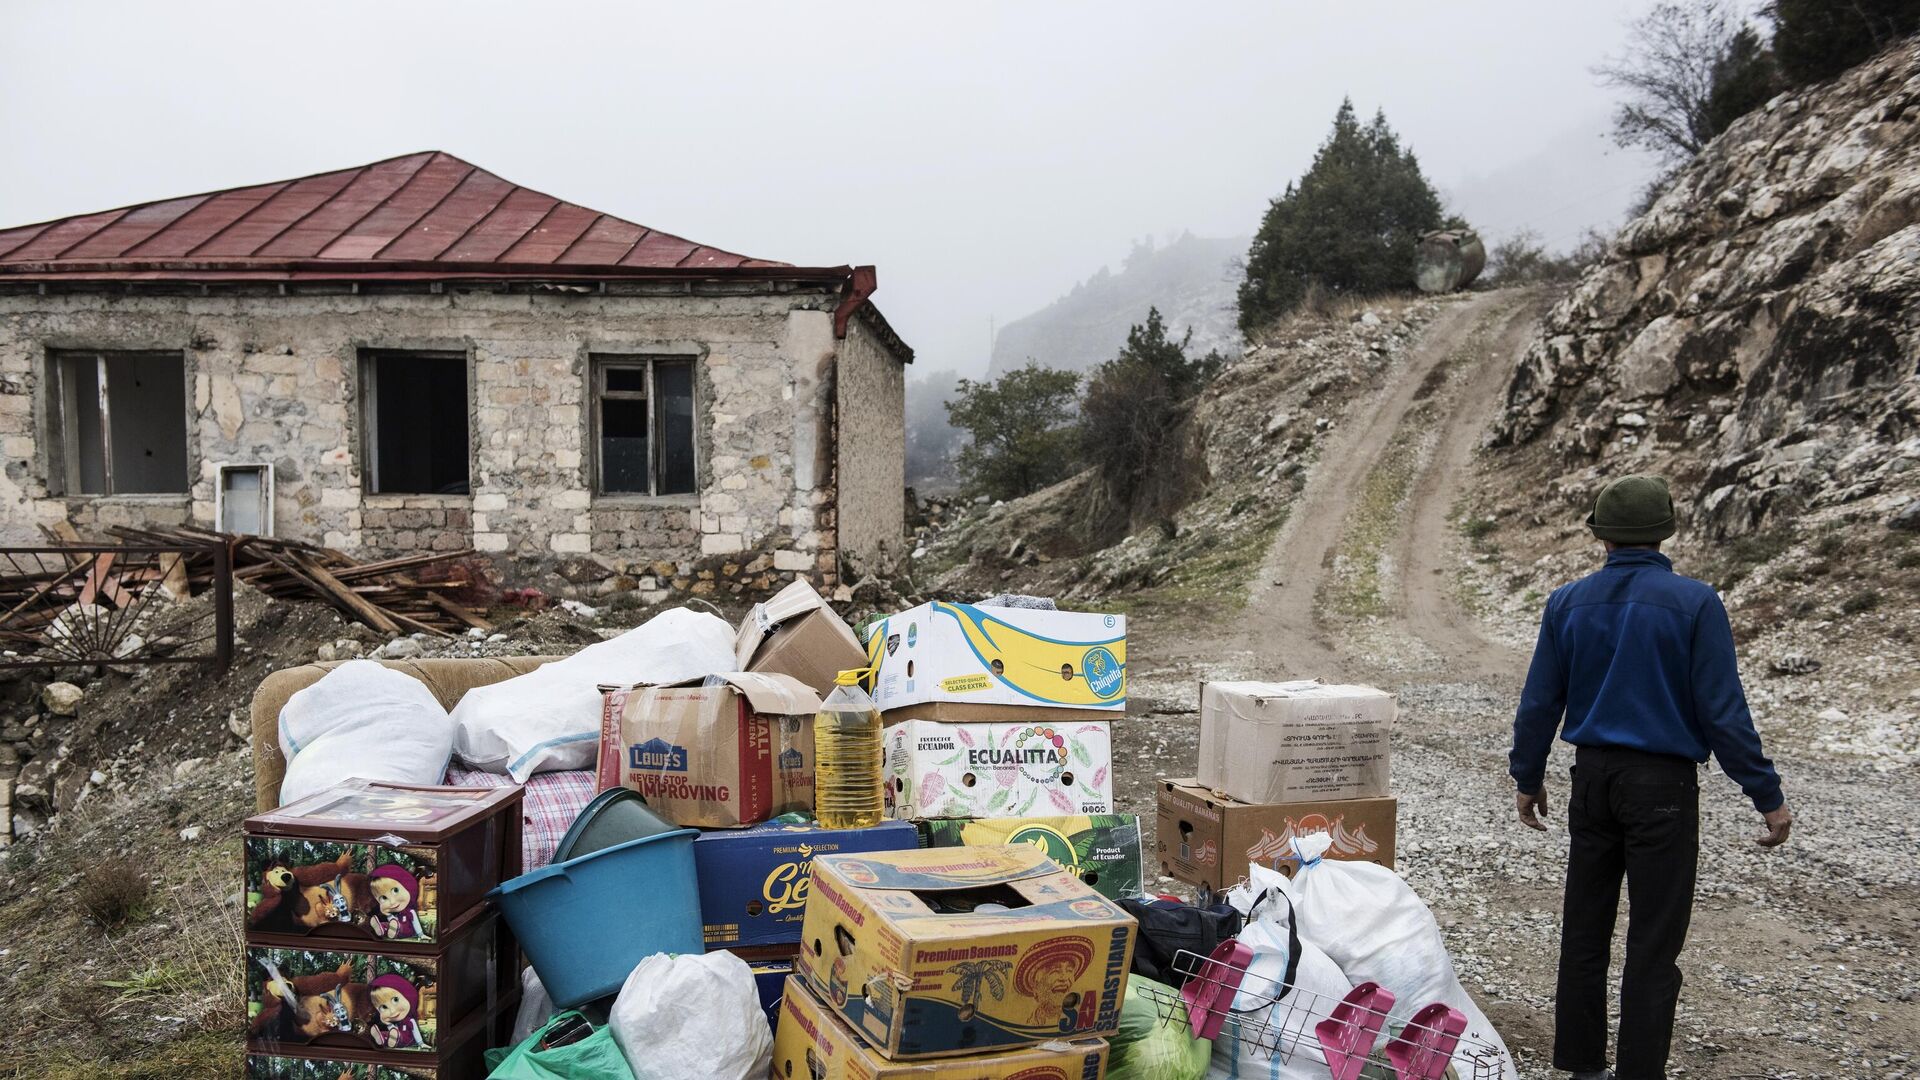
401, 217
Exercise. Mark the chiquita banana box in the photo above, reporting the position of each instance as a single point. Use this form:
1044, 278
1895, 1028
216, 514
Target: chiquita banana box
753, 882
945, 951
959, 657
811, 1043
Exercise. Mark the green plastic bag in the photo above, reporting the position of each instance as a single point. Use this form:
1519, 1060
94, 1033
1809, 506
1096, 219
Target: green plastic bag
1149, 1047
596, 1057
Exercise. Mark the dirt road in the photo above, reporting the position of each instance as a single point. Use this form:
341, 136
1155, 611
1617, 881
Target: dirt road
1801, 961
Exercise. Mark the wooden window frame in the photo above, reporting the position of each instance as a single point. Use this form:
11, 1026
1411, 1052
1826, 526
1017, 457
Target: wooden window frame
63, 403
598, 366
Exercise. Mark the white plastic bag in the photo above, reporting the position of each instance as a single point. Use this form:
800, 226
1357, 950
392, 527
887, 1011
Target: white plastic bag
1278, 1045
362, 720
549, 718
1379, 930
693, 1015
536, 1008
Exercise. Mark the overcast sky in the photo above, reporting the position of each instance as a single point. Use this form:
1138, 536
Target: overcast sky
984, 156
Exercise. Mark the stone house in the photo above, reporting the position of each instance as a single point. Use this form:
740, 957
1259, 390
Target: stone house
418, 355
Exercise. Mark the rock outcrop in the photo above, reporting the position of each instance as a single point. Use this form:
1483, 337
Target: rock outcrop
1756, 333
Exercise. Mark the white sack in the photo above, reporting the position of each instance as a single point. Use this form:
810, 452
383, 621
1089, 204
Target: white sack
362, 720
549, 718
1317, 983
692, 1015
536, 1008
1379, 930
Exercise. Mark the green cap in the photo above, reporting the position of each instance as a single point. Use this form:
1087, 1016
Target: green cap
1633, 510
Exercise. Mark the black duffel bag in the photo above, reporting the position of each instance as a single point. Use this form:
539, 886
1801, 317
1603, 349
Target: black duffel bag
1168, 928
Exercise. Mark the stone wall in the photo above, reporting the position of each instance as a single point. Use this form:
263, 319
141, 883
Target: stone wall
872, 449
274, 378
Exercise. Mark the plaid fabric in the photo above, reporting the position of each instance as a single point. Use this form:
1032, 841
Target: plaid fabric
552, 801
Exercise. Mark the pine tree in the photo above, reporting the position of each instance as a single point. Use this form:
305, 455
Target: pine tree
1350, 224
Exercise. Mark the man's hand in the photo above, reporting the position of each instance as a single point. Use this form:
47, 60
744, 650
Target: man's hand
1779, 824
1528, 805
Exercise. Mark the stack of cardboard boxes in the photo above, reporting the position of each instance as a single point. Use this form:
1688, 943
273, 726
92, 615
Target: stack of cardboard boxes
999, 730
970, 963
370, 945
1279, 760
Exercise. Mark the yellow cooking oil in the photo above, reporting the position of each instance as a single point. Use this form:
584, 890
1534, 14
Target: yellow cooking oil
846, 757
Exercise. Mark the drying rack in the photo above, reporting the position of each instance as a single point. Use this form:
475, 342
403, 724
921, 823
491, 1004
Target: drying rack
1277, 1022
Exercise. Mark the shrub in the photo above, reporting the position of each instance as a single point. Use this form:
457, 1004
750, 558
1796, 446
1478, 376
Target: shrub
1132, 401
1818, 39
113, 892
1864, 600
1521, 259
1349, 224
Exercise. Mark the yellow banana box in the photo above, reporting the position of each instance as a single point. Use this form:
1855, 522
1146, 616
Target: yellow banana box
968, 656
943, 951
811, 1043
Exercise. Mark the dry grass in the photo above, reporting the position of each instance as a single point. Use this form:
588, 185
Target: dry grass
113, 892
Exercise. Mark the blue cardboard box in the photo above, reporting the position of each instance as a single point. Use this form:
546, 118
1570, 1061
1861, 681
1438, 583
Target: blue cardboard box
753, 882
770, 979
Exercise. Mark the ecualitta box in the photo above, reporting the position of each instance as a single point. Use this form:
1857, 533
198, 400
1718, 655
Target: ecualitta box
945, 951
958, 661
753, 882
811, 1043
1103, 850
966, 770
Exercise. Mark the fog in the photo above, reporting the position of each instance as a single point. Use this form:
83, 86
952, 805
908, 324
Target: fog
984, 156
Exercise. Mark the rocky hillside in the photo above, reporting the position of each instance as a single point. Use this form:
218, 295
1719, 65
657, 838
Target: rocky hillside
1191, 281
1754, 334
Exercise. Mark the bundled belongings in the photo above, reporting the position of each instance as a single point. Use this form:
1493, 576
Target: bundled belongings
1286, 972
812, 1043
1209, 839
1373, 925
796, 634
1012, 769
1169, 928
368, 941
687, 1016
1152, 1047
549, 718
362, 720
716, 752
947, 951
1102, 850
1295, 741
964, 662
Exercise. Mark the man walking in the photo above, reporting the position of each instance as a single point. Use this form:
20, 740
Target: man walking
1640, 662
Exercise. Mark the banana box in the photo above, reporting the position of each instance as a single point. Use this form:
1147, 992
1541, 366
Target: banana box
943, 951
961, 662
1103, 850
753, 882
811, 1043
967, 770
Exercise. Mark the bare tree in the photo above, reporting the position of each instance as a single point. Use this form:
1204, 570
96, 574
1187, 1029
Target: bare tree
1668, 76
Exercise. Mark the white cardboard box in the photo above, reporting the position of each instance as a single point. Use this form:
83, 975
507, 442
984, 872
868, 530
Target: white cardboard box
1303, 741
958, 656
966, 770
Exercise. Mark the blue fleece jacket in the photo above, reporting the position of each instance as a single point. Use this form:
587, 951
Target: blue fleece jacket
1637, 656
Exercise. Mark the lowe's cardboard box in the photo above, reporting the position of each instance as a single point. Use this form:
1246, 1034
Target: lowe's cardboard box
1208, 839
795, 633
811, 1043
1295, 741
753, 882
1102, 850
945, 951
959, 661
964, 770
721, 756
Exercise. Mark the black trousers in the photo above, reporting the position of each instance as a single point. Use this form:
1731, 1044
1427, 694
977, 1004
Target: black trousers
1634, 815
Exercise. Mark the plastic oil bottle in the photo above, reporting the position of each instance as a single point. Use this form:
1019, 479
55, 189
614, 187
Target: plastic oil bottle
846, 757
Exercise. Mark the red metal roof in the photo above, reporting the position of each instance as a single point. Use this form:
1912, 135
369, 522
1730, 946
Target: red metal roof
425, 215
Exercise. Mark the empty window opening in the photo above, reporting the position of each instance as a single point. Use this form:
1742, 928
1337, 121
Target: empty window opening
416, 410
644, 411
120, 422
